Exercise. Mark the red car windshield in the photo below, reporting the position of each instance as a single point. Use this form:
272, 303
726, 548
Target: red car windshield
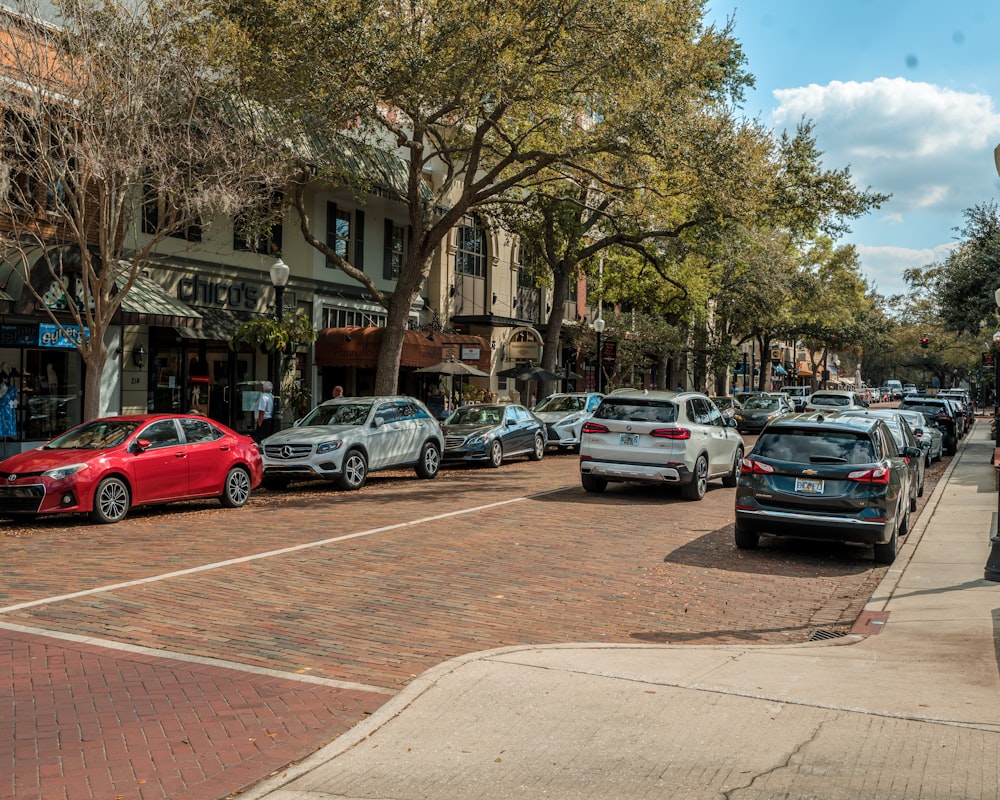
97, 435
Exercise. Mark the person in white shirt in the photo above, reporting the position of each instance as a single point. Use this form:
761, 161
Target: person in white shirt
265, 412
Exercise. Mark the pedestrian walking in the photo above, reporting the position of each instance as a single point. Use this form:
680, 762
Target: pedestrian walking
265, 412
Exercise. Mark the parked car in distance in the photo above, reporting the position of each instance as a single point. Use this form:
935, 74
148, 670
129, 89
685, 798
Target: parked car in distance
799, 395
964, 399
759, 411
345, 439
834, 400
831, 477
957, 409
564, 415
907, 443
728, 405
107, 466
928, 434
672, 438
942, 413
492, 433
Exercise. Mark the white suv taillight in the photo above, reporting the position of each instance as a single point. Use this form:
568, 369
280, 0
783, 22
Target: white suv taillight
670, 433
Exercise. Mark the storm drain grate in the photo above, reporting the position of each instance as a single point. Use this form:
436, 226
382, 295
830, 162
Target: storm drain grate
822, 634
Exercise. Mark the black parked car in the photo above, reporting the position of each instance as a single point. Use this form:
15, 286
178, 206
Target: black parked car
837, 477
942, 413
491, 433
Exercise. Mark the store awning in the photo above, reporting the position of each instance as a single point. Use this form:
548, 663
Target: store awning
358, 347
777, 369
803, 370
217, 325
147, 303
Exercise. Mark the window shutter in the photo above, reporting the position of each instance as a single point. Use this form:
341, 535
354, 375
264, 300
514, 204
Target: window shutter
331, 230
359, 239
387, 251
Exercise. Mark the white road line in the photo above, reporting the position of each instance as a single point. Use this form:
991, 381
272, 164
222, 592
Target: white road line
269, 554
220, 663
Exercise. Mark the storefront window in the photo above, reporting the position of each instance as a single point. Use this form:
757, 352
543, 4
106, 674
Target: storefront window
41, 392
53, 386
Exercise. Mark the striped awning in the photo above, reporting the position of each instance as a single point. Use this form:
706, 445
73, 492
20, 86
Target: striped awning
147, 303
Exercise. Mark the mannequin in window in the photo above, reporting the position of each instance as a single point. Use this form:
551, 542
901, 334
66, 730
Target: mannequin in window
8, 410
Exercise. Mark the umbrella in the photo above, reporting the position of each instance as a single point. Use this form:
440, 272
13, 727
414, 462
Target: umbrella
452, 367
529, 372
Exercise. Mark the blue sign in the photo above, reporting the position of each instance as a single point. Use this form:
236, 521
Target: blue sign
51, 335
18, 335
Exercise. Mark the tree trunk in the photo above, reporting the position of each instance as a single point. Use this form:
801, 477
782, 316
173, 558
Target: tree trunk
550, 351
391, 348
94, 363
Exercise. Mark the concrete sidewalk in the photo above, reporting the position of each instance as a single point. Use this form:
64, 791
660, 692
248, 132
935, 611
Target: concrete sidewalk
907, 707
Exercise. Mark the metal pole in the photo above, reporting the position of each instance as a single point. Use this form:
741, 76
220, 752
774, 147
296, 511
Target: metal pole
279, 311
996, 388
744, 370
600, 361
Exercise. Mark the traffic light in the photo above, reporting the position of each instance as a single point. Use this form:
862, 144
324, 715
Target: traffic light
923, 341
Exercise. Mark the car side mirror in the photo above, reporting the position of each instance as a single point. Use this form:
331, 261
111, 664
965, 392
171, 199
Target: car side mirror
731, 423
378, 422
139, 446
913, 452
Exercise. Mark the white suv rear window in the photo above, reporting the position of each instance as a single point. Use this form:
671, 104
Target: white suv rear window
636, 410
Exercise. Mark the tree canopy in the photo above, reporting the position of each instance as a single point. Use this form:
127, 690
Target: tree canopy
120, 113
483, 101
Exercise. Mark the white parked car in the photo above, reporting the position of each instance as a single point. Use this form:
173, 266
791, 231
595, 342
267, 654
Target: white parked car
672, 438
834, 400
928, 434
344, 439
564, 415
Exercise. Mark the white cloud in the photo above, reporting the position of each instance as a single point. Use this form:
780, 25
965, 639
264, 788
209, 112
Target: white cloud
930, 147
884, 266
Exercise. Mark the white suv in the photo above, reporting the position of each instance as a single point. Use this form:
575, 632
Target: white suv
344, 439
673, 438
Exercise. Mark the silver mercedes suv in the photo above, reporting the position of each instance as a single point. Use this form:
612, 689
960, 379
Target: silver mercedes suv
344, 439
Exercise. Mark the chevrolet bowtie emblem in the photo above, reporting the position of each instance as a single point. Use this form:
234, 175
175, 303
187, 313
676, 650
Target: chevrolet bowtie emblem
809, 472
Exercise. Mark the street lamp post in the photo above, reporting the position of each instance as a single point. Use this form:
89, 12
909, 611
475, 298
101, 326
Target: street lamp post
599, 329
996, 382
279, 280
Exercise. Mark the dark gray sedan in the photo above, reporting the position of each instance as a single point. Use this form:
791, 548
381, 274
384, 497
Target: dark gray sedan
491, 433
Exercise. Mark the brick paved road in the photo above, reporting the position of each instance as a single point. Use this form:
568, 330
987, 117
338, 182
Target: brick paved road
202, 649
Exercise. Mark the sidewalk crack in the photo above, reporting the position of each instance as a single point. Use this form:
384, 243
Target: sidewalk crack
729, 794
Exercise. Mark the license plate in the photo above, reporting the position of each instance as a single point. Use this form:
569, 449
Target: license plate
629, 439
809, 485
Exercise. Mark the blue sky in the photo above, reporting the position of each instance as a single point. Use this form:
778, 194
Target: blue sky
904, 92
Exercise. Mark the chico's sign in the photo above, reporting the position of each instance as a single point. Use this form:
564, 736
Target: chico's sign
218, 293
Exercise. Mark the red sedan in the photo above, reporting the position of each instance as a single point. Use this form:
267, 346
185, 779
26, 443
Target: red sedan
106, 466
